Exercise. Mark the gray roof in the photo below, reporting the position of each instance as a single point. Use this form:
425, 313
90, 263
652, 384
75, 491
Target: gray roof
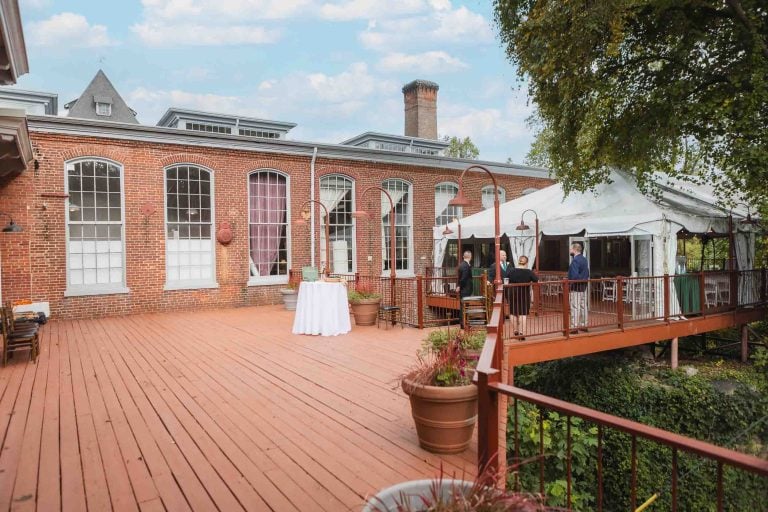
420, 83
176, 113
401, 139
101, 90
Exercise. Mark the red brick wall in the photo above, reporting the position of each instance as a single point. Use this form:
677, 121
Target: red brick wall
34, 262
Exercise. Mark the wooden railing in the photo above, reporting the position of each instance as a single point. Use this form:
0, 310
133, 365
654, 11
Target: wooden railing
493, 394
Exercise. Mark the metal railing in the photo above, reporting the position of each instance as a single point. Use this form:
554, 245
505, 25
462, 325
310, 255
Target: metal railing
614, 303
746, 289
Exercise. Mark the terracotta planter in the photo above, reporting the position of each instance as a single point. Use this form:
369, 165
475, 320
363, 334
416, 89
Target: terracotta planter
289, 298
365, 311
412, 494
445, 416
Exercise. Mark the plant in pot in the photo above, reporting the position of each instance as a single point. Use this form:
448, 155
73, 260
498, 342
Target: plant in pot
365, 304
449, 495
290, 295
470, 342
443, 397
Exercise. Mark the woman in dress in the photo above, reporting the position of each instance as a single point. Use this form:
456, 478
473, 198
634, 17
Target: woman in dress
520, 300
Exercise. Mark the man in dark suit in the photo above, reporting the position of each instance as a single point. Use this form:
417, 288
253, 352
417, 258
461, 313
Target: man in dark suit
465, 281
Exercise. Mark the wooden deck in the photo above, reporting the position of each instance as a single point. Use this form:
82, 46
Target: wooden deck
210, 410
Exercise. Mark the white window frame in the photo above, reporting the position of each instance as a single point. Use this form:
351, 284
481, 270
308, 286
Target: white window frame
104, 288
460, 210
354, 222
487, 191
109, 109
190, 284
406, 272
279, 279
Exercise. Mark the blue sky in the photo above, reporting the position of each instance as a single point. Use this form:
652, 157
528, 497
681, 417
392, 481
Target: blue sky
335, 67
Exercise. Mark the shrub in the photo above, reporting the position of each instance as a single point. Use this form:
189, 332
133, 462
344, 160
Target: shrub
362, 292
439, 338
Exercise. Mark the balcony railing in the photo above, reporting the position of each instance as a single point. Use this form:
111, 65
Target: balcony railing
745, 289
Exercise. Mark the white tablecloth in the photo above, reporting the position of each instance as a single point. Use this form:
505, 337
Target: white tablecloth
322, 309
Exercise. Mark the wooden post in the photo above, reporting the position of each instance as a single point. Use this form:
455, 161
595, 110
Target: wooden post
701, 292
420, 300
666, 298
744, 343
566, 309
673, 360
487, 426
620, 301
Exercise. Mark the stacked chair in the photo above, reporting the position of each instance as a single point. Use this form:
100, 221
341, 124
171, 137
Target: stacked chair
18, 334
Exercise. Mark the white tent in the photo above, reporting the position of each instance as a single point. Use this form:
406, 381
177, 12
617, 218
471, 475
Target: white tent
617, 208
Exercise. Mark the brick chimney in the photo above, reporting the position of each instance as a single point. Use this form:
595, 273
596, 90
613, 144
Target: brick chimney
420, 97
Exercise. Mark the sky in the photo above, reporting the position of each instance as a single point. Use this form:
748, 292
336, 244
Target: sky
334, 67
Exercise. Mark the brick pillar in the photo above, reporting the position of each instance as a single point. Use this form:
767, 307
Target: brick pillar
420, 98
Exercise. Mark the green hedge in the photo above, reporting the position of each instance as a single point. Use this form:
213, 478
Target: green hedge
671, 400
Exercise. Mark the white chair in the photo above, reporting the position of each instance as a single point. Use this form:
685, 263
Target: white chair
609, 291
710, 294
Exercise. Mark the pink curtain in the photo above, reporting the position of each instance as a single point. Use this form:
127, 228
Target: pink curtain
267, 218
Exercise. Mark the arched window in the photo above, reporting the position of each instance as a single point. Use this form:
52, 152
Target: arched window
487, 196
444, 214
401, 196
95, 249
337, 195
189, 247
268, 220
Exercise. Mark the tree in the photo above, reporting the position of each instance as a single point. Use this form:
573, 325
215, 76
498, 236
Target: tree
646, 85
461, 148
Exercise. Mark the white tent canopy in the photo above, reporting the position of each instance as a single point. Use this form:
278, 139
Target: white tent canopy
617, 208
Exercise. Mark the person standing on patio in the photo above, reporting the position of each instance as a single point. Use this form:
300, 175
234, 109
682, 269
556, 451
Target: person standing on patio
578, 271
520, 296
465, 281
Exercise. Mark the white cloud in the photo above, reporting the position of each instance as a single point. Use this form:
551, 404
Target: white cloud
152, 103
195, 74
443, 25
427, 62
68, 30
238, 11
34, 4
191, 34
369, 9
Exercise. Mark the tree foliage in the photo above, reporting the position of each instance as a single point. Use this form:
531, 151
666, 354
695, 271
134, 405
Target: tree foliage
461, 148
679, 86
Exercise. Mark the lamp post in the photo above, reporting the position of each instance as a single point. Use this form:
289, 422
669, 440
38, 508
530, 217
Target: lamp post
11, 227
448, 231
361, 214
301, 222
524, 227
461, 200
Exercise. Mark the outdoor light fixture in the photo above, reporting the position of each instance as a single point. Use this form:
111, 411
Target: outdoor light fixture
447, 231
11, 227
523, 226
360, 214
460, 199
301, 220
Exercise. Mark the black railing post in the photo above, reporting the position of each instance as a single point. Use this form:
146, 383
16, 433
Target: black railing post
667, 298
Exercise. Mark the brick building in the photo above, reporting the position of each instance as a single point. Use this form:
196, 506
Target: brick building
119, 217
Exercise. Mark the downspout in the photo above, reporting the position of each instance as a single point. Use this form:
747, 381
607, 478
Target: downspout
312, 209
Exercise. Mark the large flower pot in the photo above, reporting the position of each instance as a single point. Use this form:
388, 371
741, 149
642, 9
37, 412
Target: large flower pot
445, 416
365, 311
411, 494
290, 297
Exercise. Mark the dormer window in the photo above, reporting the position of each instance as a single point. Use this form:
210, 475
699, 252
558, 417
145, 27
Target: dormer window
104, 109
103, 105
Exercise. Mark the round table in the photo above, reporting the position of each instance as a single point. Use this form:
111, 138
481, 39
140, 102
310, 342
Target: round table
322, 309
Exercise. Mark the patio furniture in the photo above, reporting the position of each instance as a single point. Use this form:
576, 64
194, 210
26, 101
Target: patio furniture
609, 291
309, 274
390, 314
710, 293
475, 312
18, 337
322, 309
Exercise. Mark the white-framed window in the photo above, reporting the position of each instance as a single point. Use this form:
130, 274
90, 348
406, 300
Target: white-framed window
103, 109
337, 193
268, 226
401, 196
189, 245
95, 235
487, 196
264, 134
207, 127
444, 213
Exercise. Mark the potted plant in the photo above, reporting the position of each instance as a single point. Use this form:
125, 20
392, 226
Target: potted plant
447, 495
365, 304
470, 342
443, 398
290, 295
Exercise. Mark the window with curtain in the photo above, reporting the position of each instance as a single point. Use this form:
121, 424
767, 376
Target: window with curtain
487, 196
95, 252
336, 194
189, 246
401, 196
444, 214
268, 225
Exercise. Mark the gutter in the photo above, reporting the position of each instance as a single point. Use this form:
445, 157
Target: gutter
312, 207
